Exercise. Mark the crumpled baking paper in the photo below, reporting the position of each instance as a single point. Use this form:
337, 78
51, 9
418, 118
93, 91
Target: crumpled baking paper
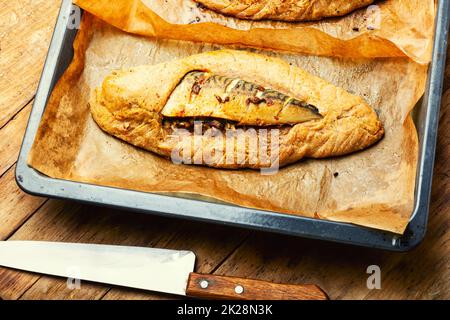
389, 28
373, 188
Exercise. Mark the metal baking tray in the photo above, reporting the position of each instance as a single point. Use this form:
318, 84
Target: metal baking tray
426, 117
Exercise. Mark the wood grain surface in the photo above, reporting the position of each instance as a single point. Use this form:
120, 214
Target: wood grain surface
25, 31
211, 286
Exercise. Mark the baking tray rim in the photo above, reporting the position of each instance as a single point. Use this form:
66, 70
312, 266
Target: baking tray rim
32, 182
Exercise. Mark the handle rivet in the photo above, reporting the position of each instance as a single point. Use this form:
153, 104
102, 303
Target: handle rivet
204, 284
239, 289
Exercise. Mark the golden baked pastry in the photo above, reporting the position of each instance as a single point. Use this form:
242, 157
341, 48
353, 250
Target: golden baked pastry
284, 10
221, 108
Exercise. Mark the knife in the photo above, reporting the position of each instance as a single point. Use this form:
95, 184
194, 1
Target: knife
161, 270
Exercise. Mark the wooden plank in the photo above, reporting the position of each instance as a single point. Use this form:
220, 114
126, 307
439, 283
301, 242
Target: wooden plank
286, 259
26, 27
15, 205
65, 221
11, 136
341, 270
13, 283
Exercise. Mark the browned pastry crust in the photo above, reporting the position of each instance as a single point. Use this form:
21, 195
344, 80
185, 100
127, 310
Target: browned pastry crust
284, 10
129, 106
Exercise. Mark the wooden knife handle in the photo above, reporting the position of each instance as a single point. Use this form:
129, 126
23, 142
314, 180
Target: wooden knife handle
231, 288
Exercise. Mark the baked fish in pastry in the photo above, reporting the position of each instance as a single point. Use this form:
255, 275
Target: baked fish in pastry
233, 109
284, 10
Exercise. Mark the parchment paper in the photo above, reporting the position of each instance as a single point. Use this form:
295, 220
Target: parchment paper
389, 28
373, 188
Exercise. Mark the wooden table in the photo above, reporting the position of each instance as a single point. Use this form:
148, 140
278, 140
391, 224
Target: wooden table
25, 31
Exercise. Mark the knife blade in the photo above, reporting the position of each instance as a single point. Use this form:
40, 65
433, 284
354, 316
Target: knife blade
161, 270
